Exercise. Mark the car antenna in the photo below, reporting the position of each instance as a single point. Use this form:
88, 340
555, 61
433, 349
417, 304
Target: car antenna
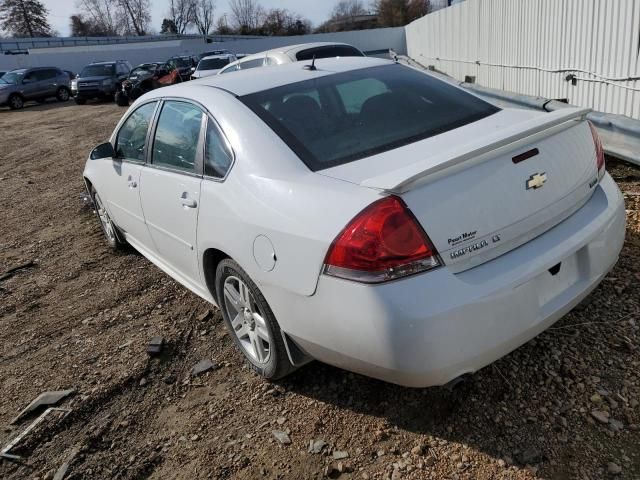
311, 67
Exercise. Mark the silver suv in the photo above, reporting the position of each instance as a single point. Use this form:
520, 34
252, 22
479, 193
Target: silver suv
18, 86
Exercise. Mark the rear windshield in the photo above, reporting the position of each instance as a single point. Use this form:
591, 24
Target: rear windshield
98, 71
329, 51
213, 64
344, 117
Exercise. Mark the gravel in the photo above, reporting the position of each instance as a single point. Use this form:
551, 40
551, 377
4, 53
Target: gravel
535, 404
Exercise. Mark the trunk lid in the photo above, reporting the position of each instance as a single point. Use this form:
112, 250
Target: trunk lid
486, 188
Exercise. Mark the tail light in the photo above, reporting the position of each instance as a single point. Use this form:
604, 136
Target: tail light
383, 242
599, 150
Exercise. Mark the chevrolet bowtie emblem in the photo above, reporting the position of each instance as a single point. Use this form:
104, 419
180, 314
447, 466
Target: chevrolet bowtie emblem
537, 180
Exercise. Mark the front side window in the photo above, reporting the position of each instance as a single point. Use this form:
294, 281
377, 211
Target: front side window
133, 133
340, 118
13, 78
218, 156
176, 141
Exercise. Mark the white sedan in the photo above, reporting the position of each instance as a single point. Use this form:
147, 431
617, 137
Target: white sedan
212, 64
362, 213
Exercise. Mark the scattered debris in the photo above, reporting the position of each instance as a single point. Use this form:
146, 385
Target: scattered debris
86, 202
202, 366
601, 416
281, 436
43, 400
204, 316
4, 453
316, 446
12, 271
155, 346
340, 454
614, 469
62, 471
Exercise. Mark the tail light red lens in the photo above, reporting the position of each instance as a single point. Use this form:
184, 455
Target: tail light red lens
599, 150
383, 242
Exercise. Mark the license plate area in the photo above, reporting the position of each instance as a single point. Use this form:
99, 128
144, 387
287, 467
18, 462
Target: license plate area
558, 279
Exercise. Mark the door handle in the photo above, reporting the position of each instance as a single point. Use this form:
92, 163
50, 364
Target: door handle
133, 184
189, 202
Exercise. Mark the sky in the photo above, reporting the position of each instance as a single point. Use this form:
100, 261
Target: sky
315, 10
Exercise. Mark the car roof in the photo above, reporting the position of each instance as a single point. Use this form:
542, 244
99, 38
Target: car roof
244, 82
288, 49
113, 62
220, 55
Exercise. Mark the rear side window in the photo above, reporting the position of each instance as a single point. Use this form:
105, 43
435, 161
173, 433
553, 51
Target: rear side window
340, 118
218, 156
258, 62
177, 135
329, 51
133, 133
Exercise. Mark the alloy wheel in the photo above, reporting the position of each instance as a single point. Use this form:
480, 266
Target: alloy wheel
247, 320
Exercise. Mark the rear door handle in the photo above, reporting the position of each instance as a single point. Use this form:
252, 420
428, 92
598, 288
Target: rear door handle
133, 184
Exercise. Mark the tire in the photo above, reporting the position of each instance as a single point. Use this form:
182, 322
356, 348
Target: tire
80, 101
111, 232
15, 102
122, 100
63, 94
251, 322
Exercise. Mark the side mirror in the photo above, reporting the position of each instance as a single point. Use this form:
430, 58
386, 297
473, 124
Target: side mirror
104, 150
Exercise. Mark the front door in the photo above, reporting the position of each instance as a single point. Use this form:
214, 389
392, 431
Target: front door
170, 187
120, 177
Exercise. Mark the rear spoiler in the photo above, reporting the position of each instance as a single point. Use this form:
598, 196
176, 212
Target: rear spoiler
476, 151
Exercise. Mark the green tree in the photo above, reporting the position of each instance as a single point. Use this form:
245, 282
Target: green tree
168, 26
24, 18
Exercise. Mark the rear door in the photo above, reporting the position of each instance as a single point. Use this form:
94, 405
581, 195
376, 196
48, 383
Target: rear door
48, 82
171, 186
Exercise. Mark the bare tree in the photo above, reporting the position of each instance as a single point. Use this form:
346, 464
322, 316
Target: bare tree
397, 13
102, 13
181, 13
347, 9
202, 11
24, 18
135, 15
246, 15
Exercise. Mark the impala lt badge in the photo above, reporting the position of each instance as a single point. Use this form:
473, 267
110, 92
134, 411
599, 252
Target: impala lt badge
537, 180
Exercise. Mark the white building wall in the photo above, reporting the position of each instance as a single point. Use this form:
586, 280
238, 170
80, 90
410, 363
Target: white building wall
530, 46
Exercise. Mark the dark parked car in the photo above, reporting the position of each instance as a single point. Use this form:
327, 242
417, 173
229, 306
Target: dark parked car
144, 78
99, 80
18, 86
185, 64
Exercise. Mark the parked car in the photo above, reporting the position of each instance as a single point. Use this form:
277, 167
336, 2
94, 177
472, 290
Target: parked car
2, 72
212, 65
145, 78
39, 83
99, 80
184, 64
365, 214
293, 53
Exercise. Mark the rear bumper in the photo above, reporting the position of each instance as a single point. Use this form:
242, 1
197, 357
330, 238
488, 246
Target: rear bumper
428, 329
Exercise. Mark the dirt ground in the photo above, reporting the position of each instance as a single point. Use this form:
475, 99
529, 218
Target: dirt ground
81, 318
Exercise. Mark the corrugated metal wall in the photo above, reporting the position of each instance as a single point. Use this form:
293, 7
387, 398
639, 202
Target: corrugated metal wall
531, 46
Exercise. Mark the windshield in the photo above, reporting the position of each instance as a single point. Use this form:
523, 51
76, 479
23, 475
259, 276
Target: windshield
340, 118
213, 64
98, 71
12, 77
